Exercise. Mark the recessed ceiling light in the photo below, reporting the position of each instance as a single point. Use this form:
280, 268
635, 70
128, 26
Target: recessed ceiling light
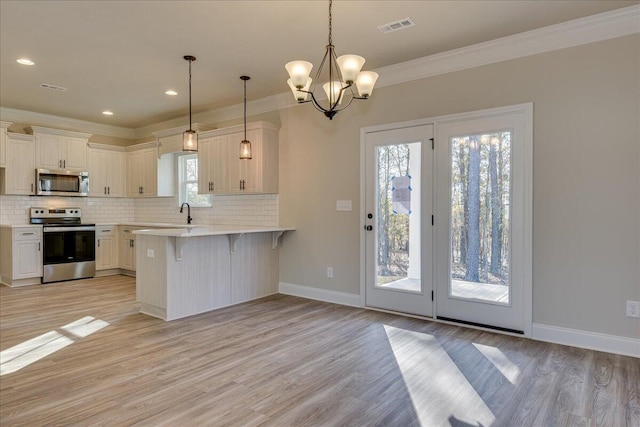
108, 113
171, 93
25, 61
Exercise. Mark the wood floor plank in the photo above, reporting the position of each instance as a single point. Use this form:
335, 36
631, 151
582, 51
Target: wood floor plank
286, 361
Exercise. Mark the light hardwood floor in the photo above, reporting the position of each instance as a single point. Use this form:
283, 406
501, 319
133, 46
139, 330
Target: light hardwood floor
285, 361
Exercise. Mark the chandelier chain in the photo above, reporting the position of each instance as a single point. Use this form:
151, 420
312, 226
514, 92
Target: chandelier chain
330, 19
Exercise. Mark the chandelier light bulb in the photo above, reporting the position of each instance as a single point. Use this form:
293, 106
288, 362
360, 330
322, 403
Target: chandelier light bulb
365, 82
350, 66
299, 72
334, 91
299, 95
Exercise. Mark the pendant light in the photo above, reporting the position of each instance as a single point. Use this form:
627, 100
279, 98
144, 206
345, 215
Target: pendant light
190, 137
343, 73
245, 145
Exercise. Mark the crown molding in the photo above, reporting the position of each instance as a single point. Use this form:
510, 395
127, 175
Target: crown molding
48, 120
591, 29
52, 131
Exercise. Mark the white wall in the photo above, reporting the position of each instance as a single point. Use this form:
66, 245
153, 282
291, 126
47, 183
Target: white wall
586, 218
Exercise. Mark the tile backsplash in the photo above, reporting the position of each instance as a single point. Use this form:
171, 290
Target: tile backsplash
15, 209
259, 210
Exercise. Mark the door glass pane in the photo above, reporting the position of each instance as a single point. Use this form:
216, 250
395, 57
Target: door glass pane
397, 222
480, 216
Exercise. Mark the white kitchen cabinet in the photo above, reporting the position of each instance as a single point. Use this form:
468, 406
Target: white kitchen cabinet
19, 175
60, 149
3, 142
21, 256
107, 243
222, 160
212, 165
148, 175
127, 249
107, 168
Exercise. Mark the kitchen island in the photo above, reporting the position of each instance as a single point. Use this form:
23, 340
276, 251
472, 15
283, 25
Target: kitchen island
187, 271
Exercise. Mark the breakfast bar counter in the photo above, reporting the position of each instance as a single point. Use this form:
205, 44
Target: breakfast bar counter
186, 271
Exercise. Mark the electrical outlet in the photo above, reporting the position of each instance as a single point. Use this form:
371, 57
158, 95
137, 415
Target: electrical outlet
633, 309
150, 253
330, 272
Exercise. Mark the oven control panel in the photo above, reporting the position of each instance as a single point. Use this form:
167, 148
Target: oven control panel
55, 212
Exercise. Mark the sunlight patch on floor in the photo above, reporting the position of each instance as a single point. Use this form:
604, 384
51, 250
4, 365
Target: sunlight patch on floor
425, 365
502, 363
85, 326
24, 354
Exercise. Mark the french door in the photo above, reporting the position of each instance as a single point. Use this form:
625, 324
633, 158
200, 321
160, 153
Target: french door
483, 219
398, 232
447, 230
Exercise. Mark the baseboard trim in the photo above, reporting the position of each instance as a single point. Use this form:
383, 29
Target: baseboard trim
553, 334
336, 297
585, 339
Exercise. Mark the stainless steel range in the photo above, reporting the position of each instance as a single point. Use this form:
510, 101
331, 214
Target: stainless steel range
69, 247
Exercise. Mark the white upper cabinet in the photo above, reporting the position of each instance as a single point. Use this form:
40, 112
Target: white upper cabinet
60, 149
220, 170
212, 165
148, 175
3, 142
106, 165
19, 174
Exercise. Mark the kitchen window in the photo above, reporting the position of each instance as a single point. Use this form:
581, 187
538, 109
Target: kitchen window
188, 182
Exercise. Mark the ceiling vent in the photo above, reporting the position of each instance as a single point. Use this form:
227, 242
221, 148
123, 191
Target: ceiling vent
397, 25
52, 87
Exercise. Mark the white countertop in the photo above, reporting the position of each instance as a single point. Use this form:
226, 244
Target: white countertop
211, 230
148, 224
20, 225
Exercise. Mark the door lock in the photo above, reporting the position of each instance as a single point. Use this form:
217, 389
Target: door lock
369, 216
368, 227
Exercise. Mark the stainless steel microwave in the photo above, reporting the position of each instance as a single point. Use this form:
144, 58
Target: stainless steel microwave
59, 182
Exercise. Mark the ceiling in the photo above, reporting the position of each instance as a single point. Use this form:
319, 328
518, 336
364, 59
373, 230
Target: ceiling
123, 55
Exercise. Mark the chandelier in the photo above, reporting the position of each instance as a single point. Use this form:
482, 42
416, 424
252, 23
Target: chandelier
343, 73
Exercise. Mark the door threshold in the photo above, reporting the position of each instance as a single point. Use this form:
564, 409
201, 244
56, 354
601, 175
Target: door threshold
481, 325
399, 313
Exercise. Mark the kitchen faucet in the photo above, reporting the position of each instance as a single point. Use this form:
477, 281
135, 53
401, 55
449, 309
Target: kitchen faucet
188, 212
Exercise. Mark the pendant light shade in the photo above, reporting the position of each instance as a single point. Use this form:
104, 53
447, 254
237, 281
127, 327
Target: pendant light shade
245, 144
190, 137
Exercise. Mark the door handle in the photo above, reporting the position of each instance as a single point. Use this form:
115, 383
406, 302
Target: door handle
38, 246
98, 242
108, 190
64, 163
368, 227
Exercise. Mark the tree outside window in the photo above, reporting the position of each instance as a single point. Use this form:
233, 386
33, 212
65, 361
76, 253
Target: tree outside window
188, 182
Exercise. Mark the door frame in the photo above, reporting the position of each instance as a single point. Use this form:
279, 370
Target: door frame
527, 271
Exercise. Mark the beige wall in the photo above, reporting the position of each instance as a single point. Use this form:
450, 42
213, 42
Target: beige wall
586, 217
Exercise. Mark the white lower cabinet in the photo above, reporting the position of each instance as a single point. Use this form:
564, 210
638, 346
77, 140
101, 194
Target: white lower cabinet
128, 249
21, 256
107, 247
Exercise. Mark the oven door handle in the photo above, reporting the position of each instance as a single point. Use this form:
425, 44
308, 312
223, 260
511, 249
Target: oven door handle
59, 229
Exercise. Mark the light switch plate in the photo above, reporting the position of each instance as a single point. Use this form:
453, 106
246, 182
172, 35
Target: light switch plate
343, 205
150, 253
